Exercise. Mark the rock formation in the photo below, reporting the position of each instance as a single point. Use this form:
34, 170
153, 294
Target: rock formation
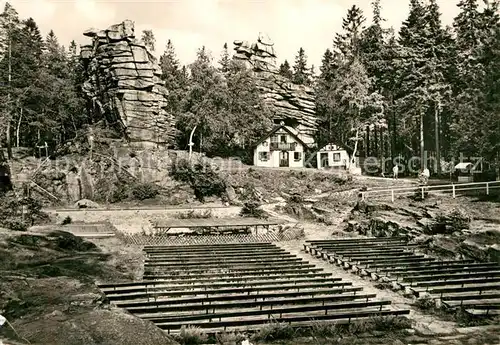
286, 101
124, 85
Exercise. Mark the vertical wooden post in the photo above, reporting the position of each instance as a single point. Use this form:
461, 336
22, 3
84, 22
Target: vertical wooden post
423, 194
454, 193
392, 195
487, 188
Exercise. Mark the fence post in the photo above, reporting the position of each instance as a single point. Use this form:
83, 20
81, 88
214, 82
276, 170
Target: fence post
423, 194
392, 195
454, 193
362, 196
487, 188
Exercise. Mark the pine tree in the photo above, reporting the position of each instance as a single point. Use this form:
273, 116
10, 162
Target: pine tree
174, 79
348, 43
10, 68
148, 38
312, 74
300, 73
285, 70
344, 99
73, 49
476, 120
203, 104
424, 86
169, 64
224, 59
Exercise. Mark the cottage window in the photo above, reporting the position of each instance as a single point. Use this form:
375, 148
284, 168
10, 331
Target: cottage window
297, 156
274, 139
264, 156
336, 157
283, 138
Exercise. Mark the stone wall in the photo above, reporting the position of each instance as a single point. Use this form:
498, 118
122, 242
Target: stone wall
285, 100
124, 85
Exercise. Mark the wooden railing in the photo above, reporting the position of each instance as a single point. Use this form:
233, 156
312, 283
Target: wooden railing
453, 188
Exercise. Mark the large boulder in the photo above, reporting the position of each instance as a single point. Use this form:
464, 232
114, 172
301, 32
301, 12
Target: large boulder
85, 203
124, 85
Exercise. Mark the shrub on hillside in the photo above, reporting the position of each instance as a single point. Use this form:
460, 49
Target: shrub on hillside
20, 213
195, 215
191, 336
252, 209
143, 191
449, 222
201, 176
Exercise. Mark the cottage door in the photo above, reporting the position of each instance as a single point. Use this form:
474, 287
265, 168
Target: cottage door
284, 159
323, 157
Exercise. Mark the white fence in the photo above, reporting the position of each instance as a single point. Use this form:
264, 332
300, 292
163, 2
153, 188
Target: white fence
453, 189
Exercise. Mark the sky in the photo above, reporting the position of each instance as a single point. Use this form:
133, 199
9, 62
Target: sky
190, 24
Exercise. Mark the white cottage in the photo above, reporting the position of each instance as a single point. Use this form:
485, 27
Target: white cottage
281, 147
332, 156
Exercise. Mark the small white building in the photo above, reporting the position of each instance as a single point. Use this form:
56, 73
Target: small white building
332, 156
281, 147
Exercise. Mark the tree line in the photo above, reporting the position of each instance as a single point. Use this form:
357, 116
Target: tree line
427, 88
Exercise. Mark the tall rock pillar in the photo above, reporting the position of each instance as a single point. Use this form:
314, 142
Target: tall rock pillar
124, 86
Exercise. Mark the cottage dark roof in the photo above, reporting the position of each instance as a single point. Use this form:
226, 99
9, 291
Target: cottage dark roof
288, 130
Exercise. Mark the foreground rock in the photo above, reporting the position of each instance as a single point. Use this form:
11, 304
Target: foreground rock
48, 292
124, 85
95, 327
446, 230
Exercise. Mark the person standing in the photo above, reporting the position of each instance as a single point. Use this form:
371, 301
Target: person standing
395, 172
425, 175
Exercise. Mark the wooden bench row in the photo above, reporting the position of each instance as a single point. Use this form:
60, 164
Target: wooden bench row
412, 271
216, 284
234, 273
242, 304
256, 290
211, 278
232, 268
268, 312
204, 300
186, 257
235, 261
344, 317
206, 248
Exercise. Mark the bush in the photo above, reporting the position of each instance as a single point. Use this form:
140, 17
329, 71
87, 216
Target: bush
449, 222
11, 212
67, 220
252, 209
191, 336
201, 176
119, 193
144, 191
15, 225
275, 331
229, 338
194, 215
425, 302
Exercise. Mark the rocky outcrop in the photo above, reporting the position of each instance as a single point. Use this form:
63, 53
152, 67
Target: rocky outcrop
286, 100
124, 85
